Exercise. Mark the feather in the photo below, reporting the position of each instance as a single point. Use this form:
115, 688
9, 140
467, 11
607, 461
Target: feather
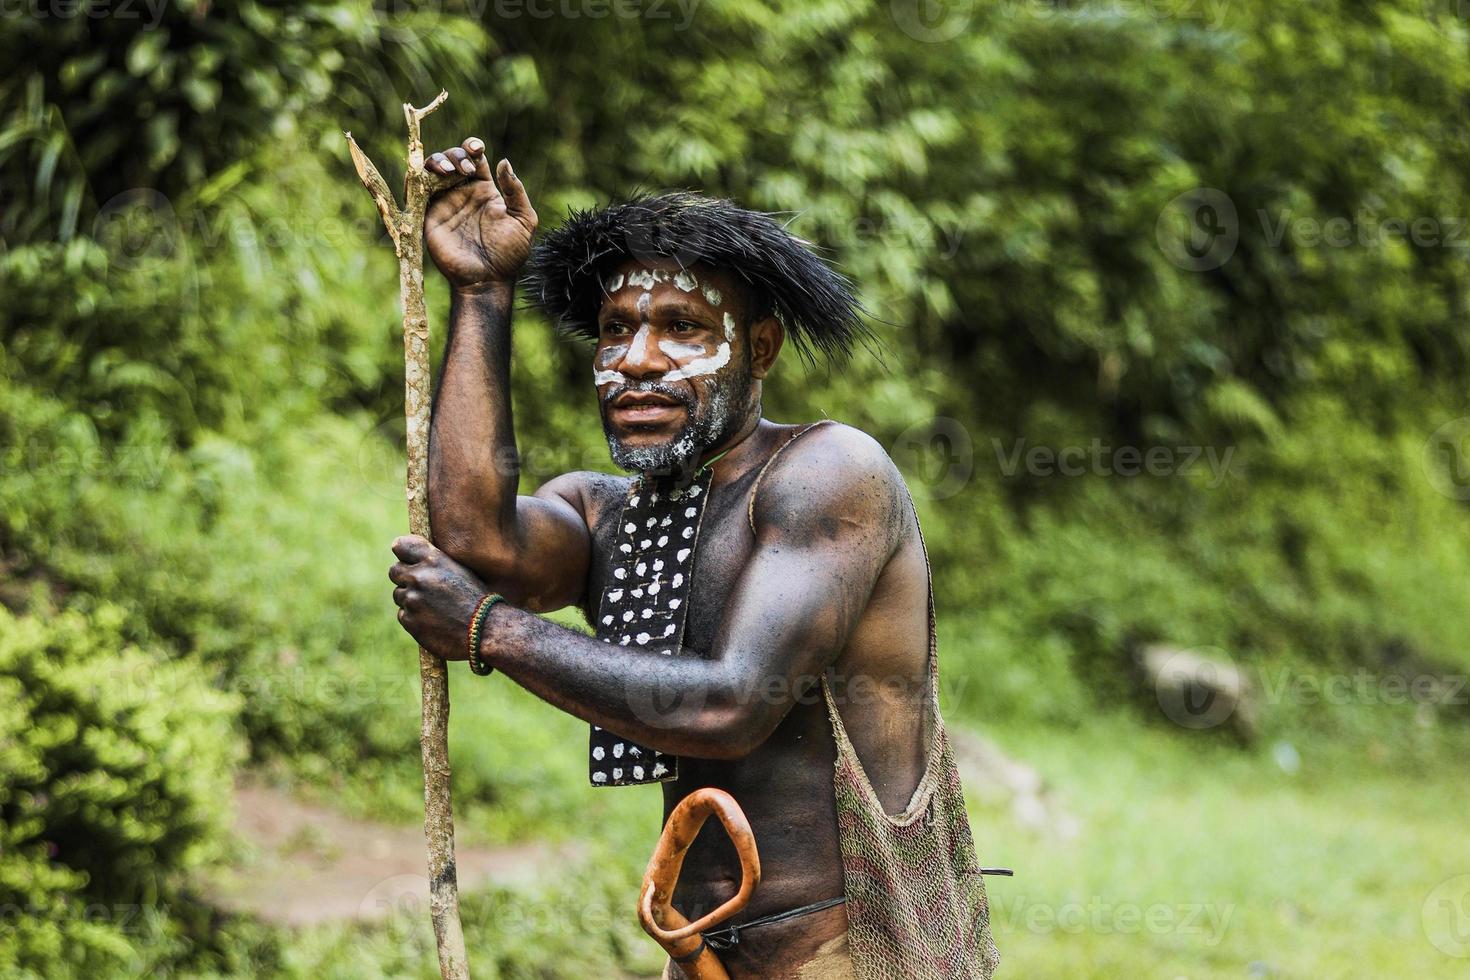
784, 276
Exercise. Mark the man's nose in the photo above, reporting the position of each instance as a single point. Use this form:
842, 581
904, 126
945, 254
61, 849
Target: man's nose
644, 359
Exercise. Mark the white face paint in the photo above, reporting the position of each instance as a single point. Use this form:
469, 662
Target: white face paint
639, 350
610, 355
702, 366
646, 279
680, 351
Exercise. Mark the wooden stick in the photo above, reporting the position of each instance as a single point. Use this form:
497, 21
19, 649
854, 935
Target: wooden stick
406, 227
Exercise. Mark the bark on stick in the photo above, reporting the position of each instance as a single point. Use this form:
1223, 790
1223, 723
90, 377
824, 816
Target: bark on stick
406, 227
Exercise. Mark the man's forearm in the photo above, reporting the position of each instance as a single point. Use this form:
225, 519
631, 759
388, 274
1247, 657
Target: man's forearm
683, 705
473, 469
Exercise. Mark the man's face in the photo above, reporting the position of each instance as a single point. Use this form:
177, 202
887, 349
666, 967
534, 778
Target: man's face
673, 367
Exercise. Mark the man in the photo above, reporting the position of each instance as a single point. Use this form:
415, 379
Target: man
759, 592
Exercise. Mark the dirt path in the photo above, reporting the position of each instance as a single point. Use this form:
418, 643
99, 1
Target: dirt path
308, 863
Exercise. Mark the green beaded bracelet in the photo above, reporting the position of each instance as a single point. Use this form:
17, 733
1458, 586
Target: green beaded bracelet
477, 623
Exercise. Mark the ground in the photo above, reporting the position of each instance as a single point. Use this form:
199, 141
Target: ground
1143, 853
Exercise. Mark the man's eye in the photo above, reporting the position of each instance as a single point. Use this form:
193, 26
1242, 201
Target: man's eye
685, 326
614, 329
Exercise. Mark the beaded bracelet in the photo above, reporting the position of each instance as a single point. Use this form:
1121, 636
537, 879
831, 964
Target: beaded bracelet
477, 622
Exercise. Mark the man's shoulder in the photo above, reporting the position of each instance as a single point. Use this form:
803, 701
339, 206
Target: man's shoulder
830, 467
589, 491
838, 452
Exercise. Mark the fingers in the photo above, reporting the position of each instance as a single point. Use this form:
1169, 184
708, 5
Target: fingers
412, 548
467, 159
517, 201
451, 162
475, 148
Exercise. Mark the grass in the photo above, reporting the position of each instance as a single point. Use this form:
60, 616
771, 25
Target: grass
1194, 860
1200, 861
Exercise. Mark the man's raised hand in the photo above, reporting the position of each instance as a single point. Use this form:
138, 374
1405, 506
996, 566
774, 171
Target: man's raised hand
478, 233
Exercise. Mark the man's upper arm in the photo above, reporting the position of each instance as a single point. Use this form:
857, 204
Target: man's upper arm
542, 565
828, 516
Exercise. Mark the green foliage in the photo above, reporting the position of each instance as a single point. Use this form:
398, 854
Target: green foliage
114, 763
1234, 230
165, 96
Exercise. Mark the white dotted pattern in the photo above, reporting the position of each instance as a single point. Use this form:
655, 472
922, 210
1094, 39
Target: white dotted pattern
643, 607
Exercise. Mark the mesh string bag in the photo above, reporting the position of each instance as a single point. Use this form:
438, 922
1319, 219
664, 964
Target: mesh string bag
916, 902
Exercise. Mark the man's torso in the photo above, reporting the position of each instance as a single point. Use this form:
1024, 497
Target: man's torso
785, 786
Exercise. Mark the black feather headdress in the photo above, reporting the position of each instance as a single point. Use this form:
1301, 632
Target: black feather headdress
781, 272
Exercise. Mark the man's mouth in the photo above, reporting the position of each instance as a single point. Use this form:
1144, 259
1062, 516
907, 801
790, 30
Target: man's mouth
644, 408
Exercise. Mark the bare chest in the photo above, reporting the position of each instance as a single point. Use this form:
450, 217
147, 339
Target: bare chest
721, 551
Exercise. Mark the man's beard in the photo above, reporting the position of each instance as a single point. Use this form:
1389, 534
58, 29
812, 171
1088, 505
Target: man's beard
710, 421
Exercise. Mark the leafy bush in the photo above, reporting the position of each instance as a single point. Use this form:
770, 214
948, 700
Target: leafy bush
113, 763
